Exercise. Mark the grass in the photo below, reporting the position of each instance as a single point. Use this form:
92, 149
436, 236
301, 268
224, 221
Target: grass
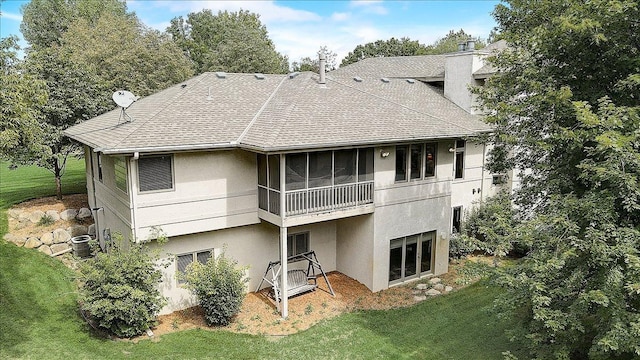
39, 316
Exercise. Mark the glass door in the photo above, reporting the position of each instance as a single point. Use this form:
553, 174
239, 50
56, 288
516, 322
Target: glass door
426, 244
410, 256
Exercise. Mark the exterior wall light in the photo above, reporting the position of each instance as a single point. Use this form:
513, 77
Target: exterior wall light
384, 153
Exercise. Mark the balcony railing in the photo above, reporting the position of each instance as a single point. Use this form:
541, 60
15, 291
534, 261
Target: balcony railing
318, 200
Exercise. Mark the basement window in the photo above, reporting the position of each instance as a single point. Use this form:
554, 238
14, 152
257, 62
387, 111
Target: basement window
182, 261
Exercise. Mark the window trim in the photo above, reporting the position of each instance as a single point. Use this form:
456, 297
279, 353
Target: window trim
173, 177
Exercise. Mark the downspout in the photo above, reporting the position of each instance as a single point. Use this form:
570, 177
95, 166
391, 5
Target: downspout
484, 157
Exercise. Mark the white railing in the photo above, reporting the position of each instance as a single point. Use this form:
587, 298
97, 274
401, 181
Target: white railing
328, 198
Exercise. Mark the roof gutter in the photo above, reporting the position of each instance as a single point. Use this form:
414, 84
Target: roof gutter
218, 146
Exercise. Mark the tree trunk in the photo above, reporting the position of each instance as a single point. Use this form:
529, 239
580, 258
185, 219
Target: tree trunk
58, 175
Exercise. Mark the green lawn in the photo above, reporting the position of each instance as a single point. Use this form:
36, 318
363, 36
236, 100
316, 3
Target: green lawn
39, 317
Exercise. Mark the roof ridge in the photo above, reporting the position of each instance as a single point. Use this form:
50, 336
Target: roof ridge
168, 103
255, 117
402, 105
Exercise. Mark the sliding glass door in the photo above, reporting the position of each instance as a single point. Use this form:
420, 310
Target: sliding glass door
410, 257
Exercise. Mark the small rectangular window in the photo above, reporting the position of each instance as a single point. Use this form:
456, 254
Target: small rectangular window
430, 161
120, 169
459, 164
401, 163
100, 167
499, 179
416, 161
155, 173
182, 261
457, 220
297, 243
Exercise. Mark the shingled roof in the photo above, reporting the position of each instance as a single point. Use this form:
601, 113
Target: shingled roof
282, 112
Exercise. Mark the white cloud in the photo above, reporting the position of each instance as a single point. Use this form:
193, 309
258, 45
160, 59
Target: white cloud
340, 16
370, 6
11, 16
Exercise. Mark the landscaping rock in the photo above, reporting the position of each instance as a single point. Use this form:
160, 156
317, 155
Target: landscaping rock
448, 288
419, 298
47, 238
14, 213
91, 230
56, 248
432, 292
416, 292
23, 216
422, 286
32, 243
77, 230
435, 280
439, 287
84, 213
18, 240
20, 225
45, 249
35, 216
69, 214
53, 215
60, 236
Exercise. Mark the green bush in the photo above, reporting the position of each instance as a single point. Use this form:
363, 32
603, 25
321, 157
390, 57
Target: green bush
219, 286
120, 288
461, 246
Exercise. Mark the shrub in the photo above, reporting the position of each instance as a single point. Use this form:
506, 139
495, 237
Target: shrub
461, 246
120, 289
219, 286
45, 220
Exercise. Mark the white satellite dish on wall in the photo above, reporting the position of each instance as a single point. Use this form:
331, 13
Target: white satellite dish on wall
124, 99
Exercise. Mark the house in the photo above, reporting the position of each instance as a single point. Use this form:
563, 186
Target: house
371, 166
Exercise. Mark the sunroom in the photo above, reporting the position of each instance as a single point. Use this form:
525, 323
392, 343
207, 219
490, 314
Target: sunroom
318, 185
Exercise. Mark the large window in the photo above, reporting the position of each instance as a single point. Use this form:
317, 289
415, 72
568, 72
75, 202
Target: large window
297, 243
415, 161
410, 257
182, 261
120, 168
155, 173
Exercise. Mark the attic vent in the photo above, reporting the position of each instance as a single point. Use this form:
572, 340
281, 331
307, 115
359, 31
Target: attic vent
293, 74
357, 79
259, 76
221, 74
411, 81
384, 80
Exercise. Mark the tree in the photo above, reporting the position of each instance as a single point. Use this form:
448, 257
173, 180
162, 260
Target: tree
228, 41
383, 48
313, 65
99, 48
449, 43
565, 106
21, 100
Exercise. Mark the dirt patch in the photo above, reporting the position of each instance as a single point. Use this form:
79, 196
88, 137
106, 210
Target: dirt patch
75, 201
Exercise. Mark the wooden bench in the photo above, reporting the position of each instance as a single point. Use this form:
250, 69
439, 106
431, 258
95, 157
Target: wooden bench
298, 282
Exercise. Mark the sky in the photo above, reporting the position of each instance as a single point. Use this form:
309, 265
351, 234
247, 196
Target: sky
299, 28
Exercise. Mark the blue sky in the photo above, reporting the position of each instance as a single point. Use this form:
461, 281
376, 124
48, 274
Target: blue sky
299, 28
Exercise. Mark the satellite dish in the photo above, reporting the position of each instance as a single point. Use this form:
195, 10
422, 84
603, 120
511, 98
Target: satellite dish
124, 98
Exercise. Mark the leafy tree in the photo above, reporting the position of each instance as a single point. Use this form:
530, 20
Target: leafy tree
21, 100
381, 48
228, 41
313, 65
565, 106
449, 43
97, 49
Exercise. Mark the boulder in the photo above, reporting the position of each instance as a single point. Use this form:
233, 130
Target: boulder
439, 287
448, 288
53, 215
60, 236
20, 225
18, 240
47, 238
45, 249
68, 214
84, 213
35, 216
32, 243
23, 216
422, 286
91, 230
77, 230
419, 298
435, 280
432, 292
56, 248
14, 213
